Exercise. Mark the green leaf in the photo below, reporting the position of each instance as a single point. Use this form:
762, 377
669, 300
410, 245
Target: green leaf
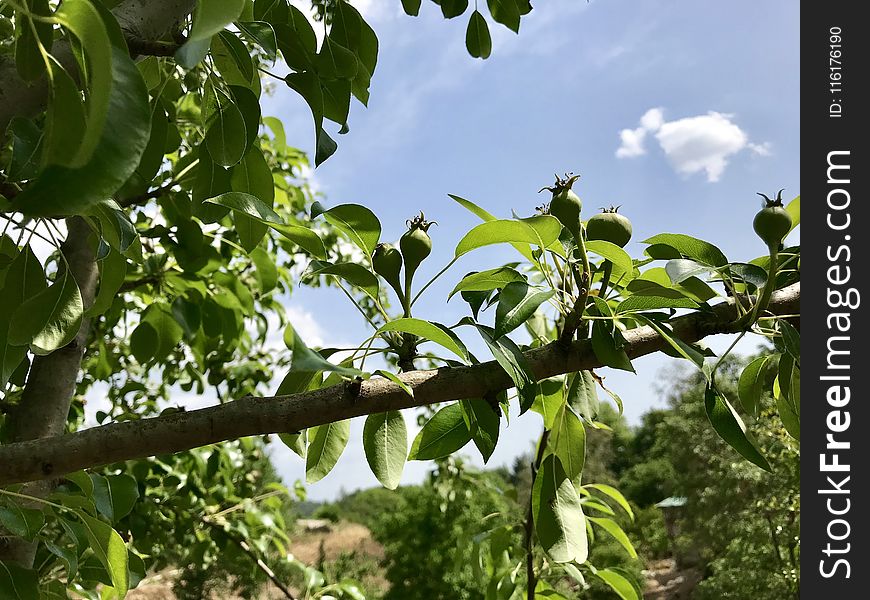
682, 348
514, 363
357, 222
680, 269
267, 272
610, 526
26, 147
117, 229
453, 8
568, 441
355, 274
296, 39
239, 53
113, 270
606, 349
211, 16
690, 247
83, 19
24, 280
557, 514
548, 399
18, 583
506, 12
115, 495
791, 339
192, 52
252, 177
516, 303
751, 384
429, 331
59, 191
83, 481
351, 31
539, 231
618, 583
296, 442
397, 380
649, 300
442, 435
168, 332
70, 560
249, 205
305, 359
20, 521
30, 33
794, 211
65, 124
303, 237
327, 443
263, 34
583, 395
730, 427
483, 421
226, 135
334, 61
307, 85
50, 319
110, 549
144, 342
485, 281
411, 7
249, 105
477, 39
385, 440
619, 257
790, 418
484, 215
615, 494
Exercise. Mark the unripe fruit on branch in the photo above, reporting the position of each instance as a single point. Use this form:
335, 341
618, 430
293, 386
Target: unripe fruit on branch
415, 244
566, 204
387, 262
772, 223
609, 226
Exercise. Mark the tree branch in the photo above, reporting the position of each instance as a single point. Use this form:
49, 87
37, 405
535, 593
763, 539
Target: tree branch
43, 408
46, 458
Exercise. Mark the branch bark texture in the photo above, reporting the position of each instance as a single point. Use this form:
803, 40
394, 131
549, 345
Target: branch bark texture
42, 411
52, 457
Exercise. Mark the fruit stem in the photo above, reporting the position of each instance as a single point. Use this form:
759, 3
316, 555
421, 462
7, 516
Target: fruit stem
575, 317
605, 280
769, 285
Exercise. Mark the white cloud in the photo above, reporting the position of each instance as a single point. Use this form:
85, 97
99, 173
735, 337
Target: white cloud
632, 143
703, 143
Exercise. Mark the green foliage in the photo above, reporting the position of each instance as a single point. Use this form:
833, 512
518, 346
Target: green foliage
442, 516
189, 210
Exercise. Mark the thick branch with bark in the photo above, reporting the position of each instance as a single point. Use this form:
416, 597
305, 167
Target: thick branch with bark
47, 458
42, 411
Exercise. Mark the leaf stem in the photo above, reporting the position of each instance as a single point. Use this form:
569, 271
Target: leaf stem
430, 282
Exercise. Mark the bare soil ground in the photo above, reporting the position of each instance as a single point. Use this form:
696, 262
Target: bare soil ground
664, 581
344, 538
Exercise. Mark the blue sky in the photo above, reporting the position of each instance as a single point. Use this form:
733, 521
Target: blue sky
677, 110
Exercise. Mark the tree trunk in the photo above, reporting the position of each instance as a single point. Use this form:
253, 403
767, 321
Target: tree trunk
44, 406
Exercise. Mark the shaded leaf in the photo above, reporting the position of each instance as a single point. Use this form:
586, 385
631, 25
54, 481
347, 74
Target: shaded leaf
325, 448
557, 513
730, 427
385, 440
442, 435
